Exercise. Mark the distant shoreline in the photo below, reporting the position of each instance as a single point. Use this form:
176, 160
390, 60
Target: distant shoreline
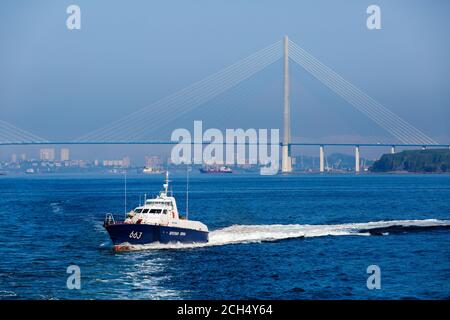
414, 161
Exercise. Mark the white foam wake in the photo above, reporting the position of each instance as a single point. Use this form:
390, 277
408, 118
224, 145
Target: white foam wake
260, 233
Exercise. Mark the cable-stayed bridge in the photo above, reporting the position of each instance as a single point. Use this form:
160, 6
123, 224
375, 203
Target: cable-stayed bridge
140, 127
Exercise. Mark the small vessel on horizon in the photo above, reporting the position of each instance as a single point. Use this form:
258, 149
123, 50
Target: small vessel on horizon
156, 221
152, 170
216, 169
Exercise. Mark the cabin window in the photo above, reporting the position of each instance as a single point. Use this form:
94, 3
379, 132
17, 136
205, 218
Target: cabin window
145, 211
138, 210
165, 211
155, 211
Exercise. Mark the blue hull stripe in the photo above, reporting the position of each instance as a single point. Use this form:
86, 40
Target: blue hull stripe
144, 234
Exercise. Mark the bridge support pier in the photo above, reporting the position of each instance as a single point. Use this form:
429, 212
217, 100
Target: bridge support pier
357, 160
392, 149
322, 159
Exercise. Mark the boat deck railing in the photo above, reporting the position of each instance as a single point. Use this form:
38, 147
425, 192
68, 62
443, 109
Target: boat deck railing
109, 219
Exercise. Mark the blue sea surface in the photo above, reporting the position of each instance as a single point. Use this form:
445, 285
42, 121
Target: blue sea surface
49, 222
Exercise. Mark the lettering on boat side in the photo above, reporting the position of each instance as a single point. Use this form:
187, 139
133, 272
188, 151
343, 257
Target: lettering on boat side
176, 233
135, 235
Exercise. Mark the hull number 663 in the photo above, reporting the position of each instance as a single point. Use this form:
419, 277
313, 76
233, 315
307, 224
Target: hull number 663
135, 235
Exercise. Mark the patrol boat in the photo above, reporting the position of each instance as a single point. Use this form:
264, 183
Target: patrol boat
157, 221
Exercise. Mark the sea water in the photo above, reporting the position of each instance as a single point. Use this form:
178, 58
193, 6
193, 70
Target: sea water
272, 237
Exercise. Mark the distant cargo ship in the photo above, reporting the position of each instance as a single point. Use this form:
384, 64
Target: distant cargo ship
150, 170
221, 169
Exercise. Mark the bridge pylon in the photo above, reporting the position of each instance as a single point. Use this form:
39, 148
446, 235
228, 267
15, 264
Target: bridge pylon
286, 160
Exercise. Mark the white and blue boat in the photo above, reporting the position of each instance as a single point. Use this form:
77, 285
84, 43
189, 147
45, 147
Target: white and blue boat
156, 221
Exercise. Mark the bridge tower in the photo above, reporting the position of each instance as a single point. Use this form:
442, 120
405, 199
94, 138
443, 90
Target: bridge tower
286, 160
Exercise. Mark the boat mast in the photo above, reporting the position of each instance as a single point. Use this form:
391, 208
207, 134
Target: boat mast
187, 192
166, 185
125, 195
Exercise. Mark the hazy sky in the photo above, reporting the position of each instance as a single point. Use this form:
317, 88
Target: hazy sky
60, 83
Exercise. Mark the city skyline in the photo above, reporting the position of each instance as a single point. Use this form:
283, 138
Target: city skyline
46, 161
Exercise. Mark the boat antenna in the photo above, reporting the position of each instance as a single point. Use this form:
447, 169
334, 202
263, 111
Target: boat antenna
125, 193
166, 184
187, 191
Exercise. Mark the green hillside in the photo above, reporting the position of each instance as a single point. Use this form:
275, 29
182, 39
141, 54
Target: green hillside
432, 160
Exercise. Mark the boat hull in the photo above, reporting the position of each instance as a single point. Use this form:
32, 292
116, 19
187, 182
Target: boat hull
121, 233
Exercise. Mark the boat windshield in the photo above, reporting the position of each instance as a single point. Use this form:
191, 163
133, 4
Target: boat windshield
151, 210
154, 211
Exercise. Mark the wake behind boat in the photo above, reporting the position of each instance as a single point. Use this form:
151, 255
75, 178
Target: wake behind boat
157, 221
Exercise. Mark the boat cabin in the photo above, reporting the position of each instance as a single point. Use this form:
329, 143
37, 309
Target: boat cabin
160, 209
159, 205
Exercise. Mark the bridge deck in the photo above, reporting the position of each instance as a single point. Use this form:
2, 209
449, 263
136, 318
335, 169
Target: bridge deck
206, 142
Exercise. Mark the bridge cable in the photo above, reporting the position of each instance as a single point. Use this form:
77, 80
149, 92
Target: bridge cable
217, 83
370, 110
377, 112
